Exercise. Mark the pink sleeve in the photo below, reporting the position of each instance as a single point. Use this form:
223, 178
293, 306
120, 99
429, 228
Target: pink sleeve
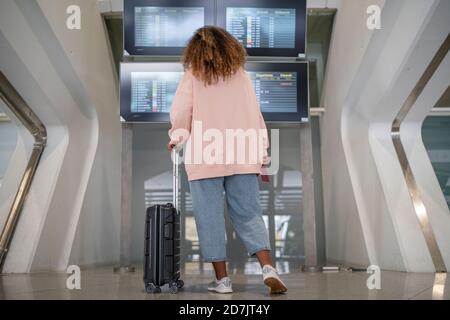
181, 112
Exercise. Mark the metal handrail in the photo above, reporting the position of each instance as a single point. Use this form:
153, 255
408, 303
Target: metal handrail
34, 125
416, 197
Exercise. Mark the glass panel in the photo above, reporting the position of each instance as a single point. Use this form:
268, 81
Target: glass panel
280, 201
320, 26
10, 173
114, 25
436, 137
8, 141
314, 99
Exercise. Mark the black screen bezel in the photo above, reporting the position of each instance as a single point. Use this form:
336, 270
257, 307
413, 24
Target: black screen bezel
129, 23
300, 24
301, 67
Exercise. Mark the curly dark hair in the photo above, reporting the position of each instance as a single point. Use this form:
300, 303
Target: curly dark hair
213, 54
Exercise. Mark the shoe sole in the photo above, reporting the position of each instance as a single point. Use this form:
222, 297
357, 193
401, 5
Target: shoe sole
275, 285
222, 292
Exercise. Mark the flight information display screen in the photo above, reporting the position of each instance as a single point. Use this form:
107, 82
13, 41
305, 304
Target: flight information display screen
166, 26
266, 28
147, 90
163, 27
153, 91
275, 91
262, 27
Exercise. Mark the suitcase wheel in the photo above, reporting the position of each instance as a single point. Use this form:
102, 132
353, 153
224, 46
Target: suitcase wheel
151, 288
180, 284
173, 287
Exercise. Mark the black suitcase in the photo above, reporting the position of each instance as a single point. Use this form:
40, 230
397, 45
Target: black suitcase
162, 242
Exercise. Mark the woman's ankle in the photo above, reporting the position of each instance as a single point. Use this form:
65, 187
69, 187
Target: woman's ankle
264, 258
220, 277
220, 269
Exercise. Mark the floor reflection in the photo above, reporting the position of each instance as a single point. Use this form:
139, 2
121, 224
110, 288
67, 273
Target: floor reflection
439, 286
102, 283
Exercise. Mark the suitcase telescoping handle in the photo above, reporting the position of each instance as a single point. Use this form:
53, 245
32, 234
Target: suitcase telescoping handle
175, 174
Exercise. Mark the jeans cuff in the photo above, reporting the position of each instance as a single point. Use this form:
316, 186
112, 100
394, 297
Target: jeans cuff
214, 259
253, 252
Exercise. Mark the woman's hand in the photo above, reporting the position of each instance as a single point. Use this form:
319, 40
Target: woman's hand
170, 146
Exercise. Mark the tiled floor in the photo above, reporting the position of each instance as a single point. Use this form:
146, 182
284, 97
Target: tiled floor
102, 283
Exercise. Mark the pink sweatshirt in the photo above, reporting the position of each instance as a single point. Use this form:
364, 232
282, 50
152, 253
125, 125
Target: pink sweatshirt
222, 127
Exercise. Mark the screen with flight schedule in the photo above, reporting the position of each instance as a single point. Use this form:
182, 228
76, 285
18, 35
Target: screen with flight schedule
147, 90
266, 28
166, 26
163, 27
262, 27
153, 91
275, 91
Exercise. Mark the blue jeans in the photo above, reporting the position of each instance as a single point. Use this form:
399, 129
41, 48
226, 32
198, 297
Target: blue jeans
242, 197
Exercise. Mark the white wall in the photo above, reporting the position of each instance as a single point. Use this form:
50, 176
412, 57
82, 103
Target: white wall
344, 235
66, 76
370, 74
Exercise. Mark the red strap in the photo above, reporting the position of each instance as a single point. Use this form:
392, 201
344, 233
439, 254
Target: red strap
264, 177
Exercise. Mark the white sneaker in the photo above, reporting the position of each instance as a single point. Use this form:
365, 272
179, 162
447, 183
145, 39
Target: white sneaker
272, 280
221, 286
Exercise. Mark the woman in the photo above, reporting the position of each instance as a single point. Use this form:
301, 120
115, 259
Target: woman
215, 102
